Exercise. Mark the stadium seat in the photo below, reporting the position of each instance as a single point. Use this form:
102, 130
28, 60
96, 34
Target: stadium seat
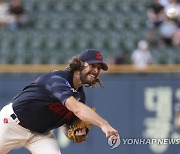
66, 27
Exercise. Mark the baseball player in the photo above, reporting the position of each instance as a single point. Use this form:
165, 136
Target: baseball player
53, 100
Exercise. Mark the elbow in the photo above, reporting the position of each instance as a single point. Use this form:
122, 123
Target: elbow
76, 107
80, 113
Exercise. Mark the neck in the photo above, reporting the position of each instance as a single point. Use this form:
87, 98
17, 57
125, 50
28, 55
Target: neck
76, 80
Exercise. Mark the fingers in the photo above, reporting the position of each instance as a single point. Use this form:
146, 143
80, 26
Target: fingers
80, 132
108, 130
111, 133
112, 137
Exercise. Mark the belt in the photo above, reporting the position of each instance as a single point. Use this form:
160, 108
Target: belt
15, 118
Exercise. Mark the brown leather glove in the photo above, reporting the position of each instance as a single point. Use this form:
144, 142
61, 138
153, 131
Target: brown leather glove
75, 127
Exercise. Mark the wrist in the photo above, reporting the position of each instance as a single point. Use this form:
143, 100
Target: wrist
104, 124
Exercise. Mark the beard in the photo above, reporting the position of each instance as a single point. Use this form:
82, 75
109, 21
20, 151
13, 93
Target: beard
84, 79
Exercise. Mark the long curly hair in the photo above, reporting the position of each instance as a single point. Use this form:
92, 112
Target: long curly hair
75, 64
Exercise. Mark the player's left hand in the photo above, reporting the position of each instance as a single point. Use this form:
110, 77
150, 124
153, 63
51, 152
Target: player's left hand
80, 132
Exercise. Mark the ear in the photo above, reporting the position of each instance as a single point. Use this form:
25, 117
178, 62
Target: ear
85, 64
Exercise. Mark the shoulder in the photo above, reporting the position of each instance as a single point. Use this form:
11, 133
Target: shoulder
59, 76
61, 73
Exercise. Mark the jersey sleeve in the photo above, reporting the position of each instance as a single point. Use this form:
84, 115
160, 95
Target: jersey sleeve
59, 88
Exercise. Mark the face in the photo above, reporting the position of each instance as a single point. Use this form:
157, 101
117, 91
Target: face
90, 73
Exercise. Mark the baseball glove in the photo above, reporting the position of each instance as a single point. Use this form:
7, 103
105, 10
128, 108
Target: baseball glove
75, 127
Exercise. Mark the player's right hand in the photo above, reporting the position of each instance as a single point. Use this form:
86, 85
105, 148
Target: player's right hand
109, 131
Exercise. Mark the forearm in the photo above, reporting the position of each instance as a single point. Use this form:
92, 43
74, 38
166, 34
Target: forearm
88, 115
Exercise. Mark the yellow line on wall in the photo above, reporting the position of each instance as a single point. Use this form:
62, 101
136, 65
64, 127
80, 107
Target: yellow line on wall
7, 68
30, 68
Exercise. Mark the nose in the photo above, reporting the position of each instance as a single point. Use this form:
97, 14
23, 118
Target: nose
96, 70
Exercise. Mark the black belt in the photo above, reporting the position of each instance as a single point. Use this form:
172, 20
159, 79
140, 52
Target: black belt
14, 117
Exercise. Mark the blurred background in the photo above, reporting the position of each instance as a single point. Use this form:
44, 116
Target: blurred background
140, 40
50, 31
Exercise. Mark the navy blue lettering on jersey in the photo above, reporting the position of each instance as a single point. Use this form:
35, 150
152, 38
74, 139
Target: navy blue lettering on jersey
40, 106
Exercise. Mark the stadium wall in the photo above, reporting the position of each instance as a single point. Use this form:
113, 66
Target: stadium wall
141, 105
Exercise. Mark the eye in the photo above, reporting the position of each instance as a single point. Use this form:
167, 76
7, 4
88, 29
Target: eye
96, 66
93, 65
